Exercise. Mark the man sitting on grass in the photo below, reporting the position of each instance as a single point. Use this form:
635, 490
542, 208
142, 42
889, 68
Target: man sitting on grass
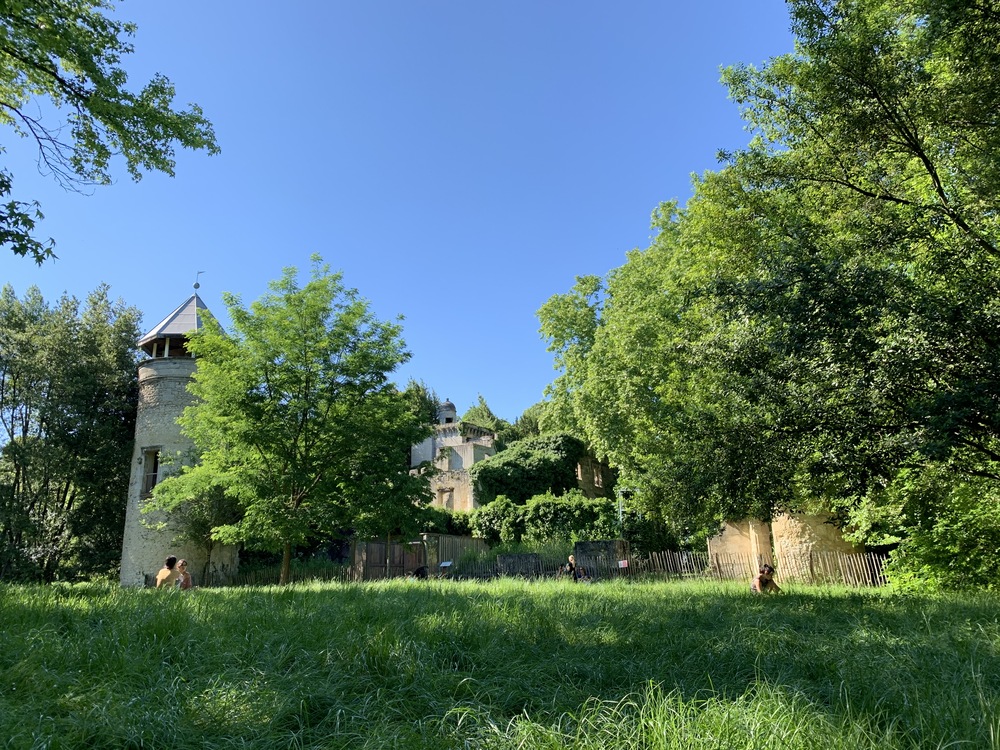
764, 583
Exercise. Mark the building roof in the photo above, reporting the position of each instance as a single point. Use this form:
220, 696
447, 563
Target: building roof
177, 325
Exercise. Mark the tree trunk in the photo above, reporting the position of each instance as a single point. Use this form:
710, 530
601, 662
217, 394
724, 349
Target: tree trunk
208, 563
286, 565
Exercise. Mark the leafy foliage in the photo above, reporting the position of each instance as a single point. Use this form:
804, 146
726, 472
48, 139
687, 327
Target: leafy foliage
482, 415
948, 530
528, 425
436, 520
60, 59
68, 391
423, 401
822, 314
571, 516
506, 432
529, 467
197, 502
296, 417
548, 518
500, 521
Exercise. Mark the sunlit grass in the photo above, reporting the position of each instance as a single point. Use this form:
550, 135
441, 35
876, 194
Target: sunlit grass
506, 664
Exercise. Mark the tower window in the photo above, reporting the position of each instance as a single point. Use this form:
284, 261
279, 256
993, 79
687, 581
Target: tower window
151, 470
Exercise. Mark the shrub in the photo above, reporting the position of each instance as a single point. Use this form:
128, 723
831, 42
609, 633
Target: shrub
571, 516
954, 546
441, 521
500, 521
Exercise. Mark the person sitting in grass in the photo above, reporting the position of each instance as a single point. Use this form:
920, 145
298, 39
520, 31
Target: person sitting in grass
764, 583
168, 574
184, 580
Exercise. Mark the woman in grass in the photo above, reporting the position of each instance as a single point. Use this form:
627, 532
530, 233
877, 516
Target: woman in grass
183, 577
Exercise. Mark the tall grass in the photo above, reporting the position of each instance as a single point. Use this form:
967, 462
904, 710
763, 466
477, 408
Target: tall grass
505, 664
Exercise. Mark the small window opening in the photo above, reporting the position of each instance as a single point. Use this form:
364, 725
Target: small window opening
151, 470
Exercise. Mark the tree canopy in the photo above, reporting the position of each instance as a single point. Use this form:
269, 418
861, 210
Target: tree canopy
296, 418
507, 433
63, 87
819, 321
68, 392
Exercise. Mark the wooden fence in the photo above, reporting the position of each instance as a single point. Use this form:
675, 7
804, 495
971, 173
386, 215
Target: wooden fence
854, 569
470, 560
849, 569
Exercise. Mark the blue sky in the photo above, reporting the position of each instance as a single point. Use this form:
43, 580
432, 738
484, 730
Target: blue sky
460, 162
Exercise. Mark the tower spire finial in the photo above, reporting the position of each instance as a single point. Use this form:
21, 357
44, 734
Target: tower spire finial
197, 286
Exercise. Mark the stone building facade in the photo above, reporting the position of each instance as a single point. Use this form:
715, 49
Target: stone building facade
594, 477
456, 446
453, 448
159, 449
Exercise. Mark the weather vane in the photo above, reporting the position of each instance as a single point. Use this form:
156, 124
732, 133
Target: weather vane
196, 284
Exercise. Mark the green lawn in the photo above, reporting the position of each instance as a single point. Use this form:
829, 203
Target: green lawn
507, 664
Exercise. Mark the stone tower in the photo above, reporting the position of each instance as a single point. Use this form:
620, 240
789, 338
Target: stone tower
159, 448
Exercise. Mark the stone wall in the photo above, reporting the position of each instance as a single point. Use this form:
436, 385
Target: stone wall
801, 534
452, 490
592, 477
798, 537
786, 542
749, 538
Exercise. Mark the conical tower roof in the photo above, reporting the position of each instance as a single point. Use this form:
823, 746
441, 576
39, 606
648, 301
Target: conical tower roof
178, 323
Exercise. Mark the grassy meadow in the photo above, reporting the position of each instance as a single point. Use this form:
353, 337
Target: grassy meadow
504, 664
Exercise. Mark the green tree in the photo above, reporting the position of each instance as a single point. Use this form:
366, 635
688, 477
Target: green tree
197, 503
482, 415
68, 393
528, 425
821, 317
643, 385
424, 402
62, 86
880, 123
570, 323
499, 522
507, 433
570, 517
296, 417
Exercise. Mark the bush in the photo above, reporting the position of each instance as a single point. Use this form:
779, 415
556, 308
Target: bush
646, 533
571, 516
441, 521
546, 517
956, 545
461, 524
500, 521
